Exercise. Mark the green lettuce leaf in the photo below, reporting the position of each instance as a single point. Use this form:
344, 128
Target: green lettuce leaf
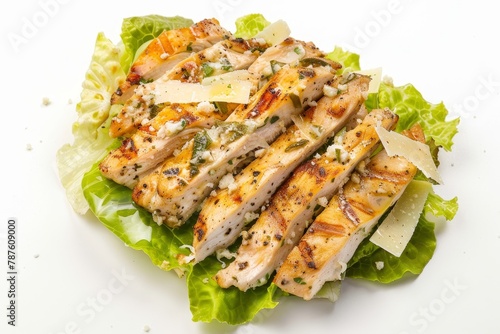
91, 139
411, 107
210, 302
415, 257
438, 207
112, 204
250, 25
138, 30
348, 60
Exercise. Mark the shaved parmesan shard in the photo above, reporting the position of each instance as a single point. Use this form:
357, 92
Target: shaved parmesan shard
275, 33
416, 152
397, 229
175, 91
376, 75
228, 78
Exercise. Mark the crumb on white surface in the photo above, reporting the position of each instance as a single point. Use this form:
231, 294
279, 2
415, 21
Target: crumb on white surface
146, 329
46, 101
29, 147
36, 256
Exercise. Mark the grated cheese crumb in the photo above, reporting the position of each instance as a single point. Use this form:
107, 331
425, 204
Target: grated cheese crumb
330, 91
227, 181
379, 265
323, 201
205, 107
46, 101
250, 216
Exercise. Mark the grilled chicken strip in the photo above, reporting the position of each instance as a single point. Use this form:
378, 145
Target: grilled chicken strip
165, 51
290, 51
331, 240
226, 56
222, 217
279, 227
183, 182
175, 124
153, 143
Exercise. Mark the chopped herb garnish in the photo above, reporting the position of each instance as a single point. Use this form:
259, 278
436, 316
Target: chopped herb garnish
145, 81
226, 65
232, 130
297, 50
348, 78
295, 100
274, 119
299, 280
185, 73
276, 66
296, 145
314, 61
207, 70
221, 107
337, 154
201, 143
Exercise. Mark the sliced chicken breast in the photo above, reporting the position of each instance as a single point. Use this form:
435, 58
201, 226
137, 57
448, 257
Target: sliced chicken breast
165, 51
175, 124
157, 140
329, 243
279, 227
187, 179
225, 56
224, 215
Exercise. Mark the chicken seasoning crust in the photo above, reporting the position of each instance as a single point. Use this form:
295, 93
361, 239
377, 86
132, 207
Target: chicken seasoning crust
254, 164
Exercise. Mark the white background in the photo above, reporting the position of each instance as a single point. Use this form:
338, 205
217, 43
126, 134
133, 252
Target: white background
448, 49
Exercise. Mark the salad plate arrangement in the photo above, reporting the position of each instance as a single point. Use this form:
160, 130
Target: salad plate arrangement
254, 165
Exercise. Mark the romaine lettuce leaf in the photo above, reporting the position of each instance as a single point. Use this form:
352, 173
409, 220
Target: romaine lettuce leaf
348, 60
411, 107
91, 140
438, 207
210, 302
112, 204
139, 29
416, 255
249, 25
